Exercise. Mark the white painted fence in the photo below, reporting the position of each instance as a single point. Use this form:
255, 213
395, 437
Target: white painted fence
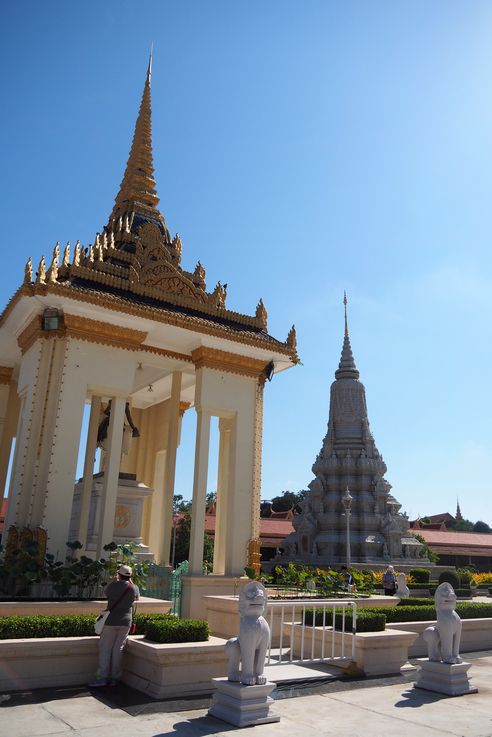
286, 617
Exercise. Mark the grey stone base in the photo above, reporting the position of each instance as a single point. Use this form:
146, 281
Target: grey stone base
451, 680
242, 706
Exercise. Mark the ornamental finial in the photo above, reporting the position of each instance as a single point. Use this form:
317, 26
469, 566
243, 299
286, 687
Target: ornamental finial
345, 306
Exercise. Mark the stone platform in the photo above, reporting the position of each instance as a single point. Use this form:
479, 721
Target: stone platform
445, 678
242, 706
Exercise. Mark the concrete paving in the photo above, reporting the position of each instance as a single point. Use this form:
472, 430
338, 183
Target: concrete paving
352, 708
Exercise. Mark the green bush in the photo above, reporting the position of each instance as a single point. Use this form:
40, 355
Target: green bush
450, 577
466, 576
70, 625
466, 610
367, 620
166, 627
420, 575
463, 591
417, 601
178, 630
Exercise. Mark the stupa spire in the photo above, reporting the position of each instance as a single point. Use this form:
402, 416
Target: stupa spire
346, 367
458, 515
137, 190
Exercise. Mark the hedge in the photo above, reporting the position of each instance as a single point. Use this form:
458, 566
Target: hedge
466, 610
178, 630
368, 620
416, 601
420, 575
154, 626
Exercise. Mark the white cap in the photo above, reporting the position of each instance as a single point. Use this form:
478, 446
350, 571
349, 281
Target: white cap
125, 571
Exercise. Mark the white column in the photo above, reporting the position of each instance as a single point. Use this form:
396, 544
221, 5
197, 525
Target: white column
225, 427
199, 491
111, 473
170, 469
87, 481
239, 524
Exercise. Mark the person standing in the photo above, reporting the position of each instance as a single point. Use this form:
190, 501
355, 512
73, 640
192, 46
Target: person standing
389, 581
121, 594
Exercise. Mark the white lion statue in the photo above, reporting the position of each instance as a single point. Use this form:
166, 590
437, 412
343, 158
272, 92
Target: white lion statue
251, 646
403, 592
443, 639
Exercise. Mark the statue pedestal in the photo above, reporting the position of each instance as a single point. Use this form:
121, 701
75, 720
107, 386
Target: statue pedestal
242, 706
451, 680
128, 512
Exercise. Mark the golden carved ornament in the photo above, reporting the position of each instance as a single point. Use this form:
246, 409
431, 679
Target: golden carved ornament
122, 516
96, 331
5, 374
254, 555
119, 304
183, 406
204, 357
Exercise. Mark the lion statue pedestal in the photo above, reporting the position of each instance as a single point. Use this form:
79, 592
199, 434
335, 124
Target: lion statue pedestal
243, 698
444, 671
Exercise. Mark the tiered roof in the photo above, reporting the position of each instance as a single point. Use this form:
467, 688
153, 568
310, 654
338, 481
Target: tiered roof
135, 264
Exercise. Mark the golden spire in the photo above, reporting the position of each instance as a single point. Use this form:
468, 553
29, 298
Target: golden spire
345, 306
137, 191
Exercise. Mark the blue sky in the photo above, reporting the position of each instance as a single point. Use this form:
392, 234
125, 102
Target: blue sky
300, 148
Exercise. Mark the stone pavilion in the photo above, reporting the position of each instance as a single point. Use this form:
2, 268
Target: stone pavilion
122, 325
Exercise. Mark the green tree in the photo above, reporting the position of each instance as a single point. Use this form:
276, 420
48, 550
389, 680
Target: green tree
288, 499
459, 525
183, 532
480, 526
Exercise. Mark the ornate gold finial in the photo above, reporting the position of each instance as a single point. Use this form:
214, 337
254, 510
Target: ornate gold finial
220, 294
52, 274
149, 68
199, 275
41, 275
28, 271
345, 306
66, 255
177, 245
111, 240
91, 254
261, 314
292, 338
76, 254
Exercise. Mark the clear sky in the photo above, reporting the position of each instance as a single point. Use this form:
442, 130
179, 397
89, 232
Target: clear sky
300, 148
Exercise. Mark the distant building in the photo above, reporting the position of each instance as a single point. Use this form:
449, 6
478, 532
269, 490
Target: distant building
350, 479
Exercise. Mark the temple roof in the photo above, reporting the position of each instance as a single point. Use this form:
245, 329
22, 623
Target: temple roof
134, 261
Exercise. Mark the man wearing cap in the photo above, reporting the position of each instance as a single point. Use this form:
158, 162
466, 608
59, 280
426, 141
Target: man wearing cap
121, 593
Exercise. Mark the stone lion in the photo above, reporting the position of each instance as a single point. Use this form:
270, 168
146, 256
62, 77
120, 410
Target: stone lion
443, 639
251, 646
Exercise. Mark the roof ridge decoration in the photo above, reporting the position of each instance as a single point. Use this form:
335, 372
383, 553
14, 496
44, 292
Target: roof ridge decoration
134, 254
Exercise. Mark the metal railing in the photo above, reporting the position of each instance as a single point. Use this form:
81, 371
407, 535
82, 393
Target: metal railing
329, 636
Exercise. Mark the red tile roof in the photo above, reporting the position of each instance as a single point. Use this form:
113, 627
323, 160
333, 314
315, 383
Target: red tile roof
475, 543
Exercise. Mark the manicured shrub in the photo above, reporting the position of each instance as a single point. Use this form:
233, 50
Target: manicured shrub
417, 601
450, 577
166, 627
466, 610
420, 575
463, 592
466, 576
70, 625
177, 630
367, 620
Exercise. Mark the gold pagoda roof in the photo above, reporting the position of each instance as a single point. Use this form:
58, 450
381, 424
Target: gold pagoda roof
134, 265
